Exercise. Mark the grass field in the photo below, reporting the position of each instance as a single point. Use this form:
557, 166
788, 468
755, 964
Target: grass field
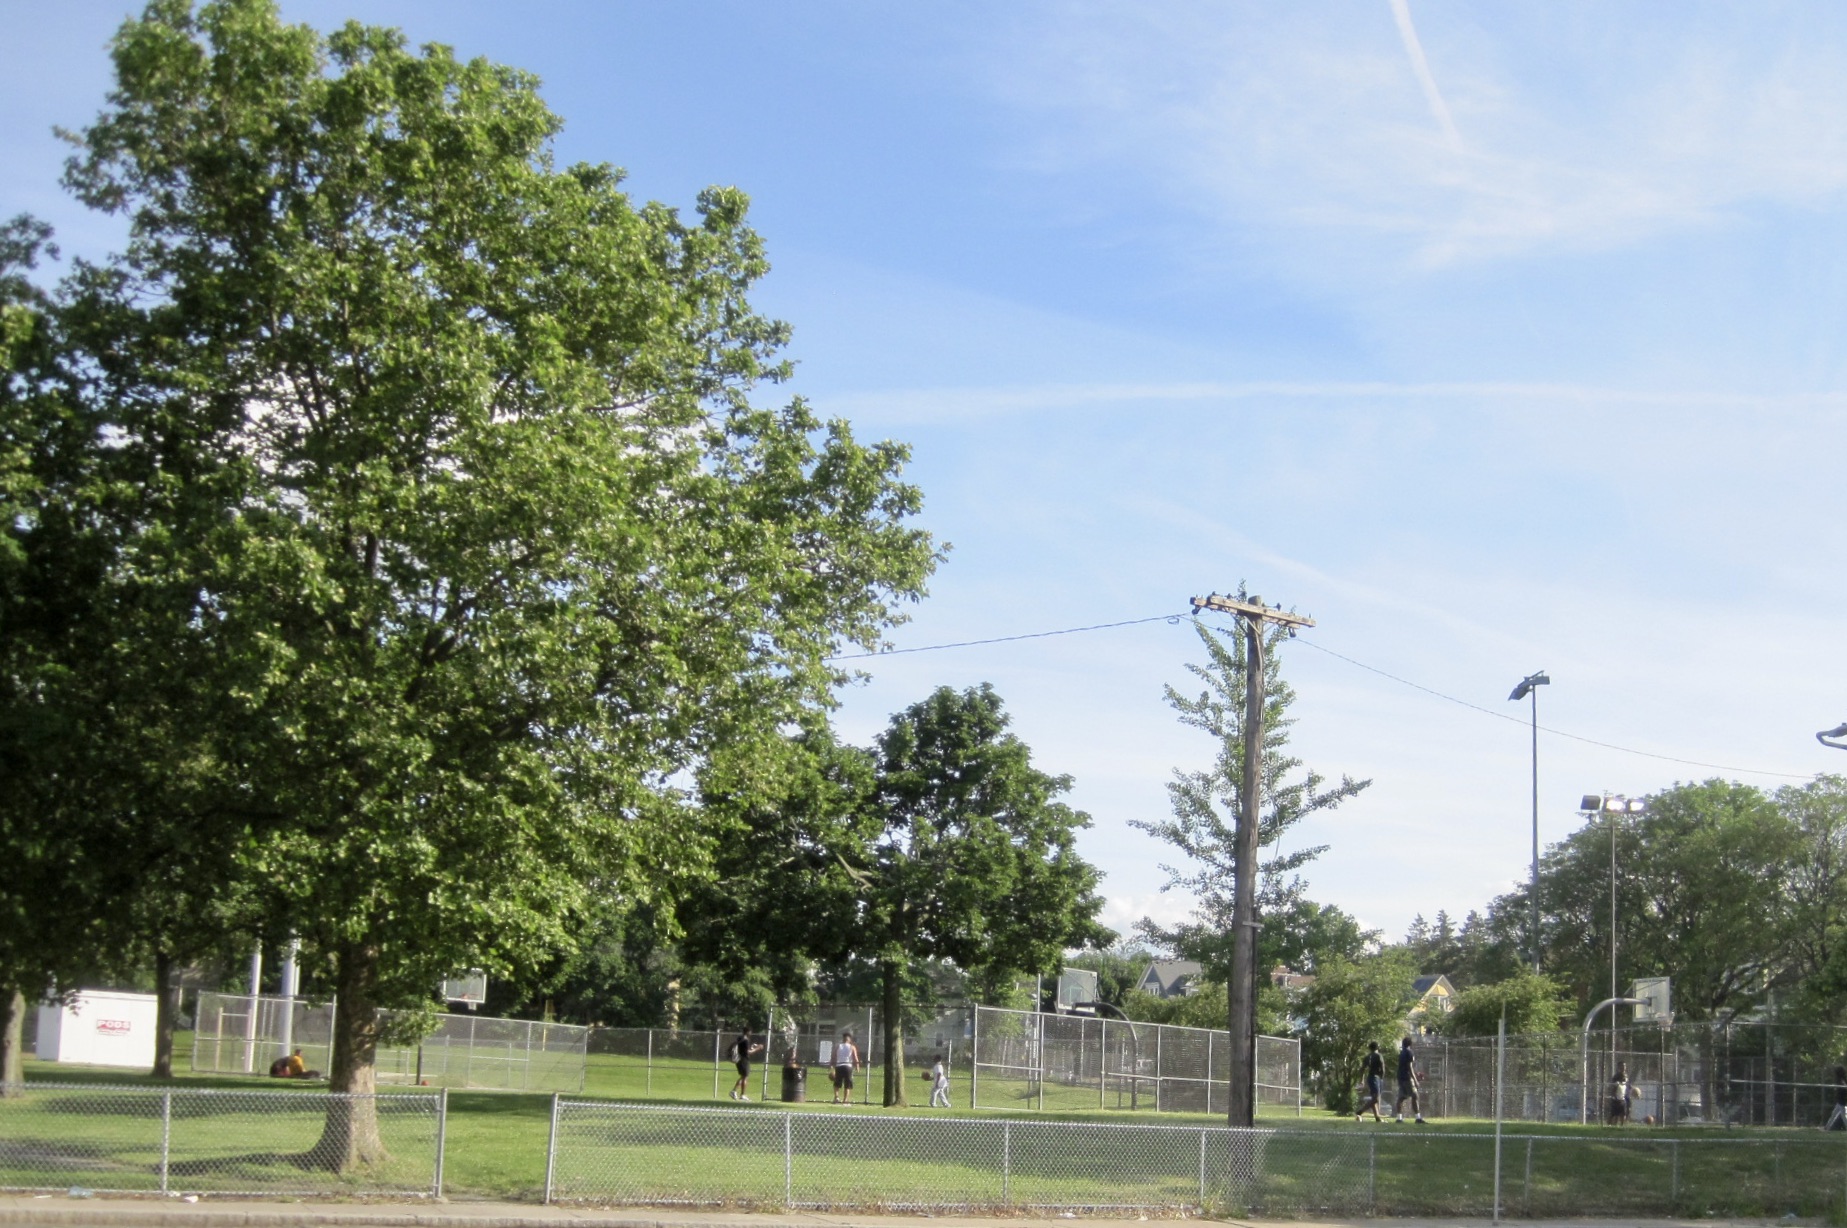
496, 1144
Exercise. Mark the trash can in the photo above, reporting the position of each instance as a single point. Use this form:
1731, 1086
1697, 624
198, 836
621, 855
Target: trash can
794, 1085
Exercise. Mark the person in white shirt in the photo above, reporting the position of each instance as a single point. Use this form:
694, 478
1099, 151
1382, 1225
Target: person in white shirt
846, 1059
939, 1089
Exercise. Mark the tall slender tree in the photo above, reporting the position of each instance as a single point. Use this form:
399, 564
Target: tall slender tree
1203, 826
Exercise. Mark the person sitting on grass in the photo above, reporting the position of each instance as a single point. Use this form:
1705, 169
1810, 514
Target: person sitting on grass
290, 1067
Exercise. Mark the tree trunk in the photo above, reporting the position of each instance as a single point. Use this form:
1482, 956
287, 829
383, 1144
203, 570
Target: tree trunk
892, 973
350, 1138
163, 1015
12, 1042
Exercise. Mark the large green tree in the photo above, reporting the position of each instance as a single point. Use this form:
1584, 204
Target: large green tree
973, 859
467, 489
1700, 897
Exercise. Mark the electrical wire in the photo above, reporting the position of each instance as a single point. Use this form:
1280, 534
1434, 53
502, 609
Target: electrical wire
1371, 669
1007, 639
1557, 733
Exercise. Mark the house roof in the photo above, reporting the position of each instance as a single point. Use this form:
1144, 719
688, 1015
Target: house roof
1168, 976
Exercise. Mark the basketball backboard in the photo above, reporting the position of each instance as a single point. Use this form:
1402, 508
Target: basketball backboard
1657, 999
468, 988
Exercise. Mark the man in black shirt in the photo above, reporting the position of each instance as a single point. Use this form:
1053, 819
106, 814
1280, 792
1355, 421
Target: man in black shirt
1408, 1079
1375, 1082
741, 1050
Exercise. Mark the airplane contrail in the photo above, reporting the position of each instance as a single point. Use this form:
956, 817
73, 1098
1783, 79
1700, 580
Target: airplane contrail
1407, 34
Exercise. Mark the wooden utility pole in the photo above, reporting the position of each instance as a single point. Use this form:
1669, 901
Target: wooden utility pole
1243, 988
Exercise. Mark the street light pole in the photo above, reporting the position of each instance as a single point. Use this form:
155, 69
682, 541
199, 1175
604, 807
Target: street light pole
1529, 688
1242, 992
1612, 805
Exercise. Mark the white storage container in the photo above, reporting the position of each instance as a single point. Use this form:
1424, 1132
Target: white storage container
99, 1029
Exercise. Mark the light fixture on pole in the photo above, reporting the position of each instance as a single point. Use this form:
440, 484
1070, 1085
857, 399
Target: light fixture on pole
1612, 804
1241, 1083
1828, 737
1529, 688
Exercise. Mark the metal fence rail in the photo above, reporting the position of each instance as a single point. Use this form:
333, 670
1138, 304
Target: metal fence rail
243, 1034
1023, 1059
57, 1136
1755, 1074
621, 1154
489, 1052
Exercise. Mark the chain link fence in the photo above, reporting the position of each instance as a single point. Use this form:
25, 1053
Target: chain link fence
1022, 1059
1757, 1074
142, 1140
621, 1154
487, 1052
242, 1034
684, 1064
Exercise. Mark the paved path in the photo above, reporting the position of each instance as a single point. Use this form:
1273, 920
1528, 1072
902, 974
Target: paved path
216, 1213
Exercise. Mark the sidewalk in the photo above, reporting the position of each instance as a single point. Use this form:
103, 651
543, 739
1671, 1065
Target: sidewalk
157, 1213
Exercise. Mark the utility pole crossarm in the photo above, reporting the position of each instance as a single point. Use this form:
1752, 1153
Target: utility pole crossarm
1250, 609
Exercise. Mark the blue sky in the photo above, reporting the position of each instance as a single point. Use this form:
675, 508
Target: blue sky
1495, 338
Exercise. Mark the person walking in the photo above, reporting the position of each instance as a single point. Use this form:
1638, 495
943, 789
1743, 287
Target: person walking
741, 1051
1375, 1082
1408, 1079
939, 1084
1837, 1120
846, 1061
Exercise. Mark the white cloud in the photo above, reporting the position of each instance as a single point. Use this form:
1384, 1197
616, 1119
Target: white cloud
1579, 129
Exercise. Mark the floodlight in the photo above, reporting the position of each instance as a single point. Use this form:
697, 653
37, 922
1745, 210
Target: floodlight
1839, 731
1528, 683
1590, 802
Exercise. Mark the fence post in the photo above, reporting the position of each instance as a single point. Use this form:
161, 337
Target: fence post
1673, 1192
788, 1159
1526, 1191
1298, 1076
551, 1152
442, 1137
650, 1061
717, 1038
974, 1058
1102, 1056
166, 1136
1372, 1173
1006, 1163
1202, 1171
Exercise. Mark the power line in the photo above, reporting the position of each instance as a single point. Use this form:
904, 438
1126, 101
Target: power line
1007, 639
1371, 669
1560, 733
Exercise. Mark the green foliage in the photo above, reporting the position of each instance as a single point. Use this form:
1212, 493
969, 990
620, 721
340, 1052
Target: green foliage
1118, 967
1205, 807
1483, 949
1532, 1004
1351, 1003
450, 452
974, 857
1699, 898
1206, 1007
